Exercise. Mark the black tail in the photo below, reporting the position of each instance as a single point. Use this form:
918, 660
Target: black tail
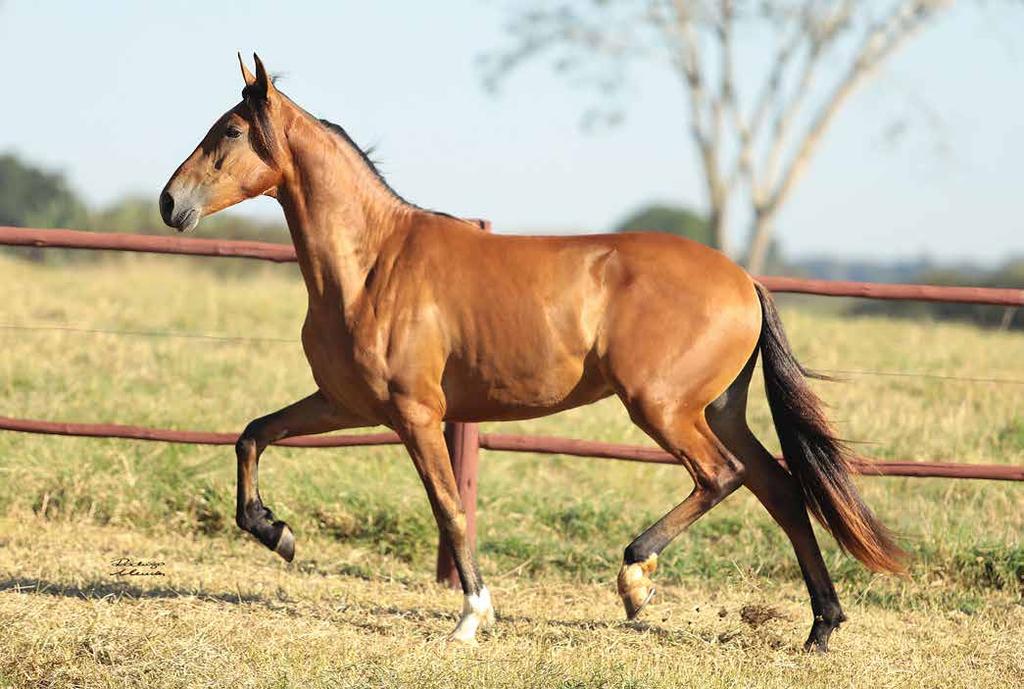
819, 460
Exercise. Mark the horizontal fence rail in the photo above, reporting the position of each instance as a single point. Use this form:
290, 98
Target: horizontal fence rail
503, 442
873, 290
144, 243
283, 253
638, 453
168, 435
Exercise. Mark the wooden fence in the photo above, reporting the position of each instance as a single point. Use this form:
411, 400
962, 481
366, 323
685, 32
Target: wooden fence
464, 439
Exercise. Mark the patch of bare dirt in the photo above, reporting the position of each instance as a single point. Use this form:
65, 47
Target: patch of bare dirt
756, 615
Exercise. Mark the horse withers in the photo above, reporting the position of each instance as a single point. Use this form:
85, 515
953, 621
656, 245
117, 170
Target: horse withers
416, 317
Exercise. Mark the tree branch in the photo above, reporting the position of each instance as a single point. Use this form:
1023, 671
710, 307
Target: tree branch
707, 135
879, 43
747, 131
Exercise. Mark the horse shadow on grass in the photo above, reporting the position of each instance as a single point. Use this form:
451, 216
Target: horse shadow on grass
117, 591
97, 590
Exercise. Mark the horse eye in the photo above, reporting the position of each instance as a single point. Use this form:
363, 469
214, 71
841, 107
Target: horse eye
233, 132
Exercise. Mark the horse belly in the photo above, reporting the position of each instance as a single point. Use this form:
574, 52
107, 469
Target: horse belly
529, 352
500, 393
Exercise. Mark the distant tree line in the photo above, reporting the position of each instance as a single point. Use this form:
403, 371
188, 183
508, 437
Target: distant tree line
31, 197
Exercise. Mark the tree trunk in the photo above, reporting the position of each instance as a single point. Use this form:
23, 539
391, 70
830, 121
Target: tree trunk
760, 240
718, 230
718, 212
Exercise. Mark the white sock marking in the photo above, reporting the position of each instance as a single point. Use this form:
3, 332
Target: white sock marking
477, 611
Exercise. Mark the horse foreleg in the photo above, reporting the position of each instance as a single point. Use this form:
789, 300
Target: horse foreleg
420, 430
310, 415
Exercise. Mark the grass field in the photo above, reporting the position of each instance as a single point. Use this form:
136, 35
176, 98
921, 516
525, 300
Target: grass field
358, 606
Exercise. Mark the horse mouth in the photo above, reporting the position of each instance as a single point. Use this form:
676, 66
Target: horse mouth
186, 221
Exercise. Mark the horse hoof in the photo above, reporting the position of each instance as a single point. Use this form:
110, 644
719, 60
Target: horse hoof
455, 641
821, 631
286, 544
488, 619
635, 586
637, 601
477, 613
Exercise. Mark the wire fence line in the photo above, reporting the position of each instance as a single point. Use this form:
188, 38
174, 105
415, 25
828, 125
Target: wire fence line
919, 374
214, 337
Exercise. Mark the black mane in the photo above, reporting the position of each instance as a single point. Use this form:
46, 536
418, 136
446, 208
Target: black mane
251, 96
365, 155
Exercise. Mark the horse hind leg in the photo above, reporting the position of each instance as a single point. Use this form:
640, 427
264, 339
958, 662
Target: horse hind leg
715, 473
782, 496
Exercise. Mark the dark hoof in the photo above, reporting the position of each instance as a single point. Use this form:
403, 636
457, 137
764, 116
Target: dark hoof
821, 630
285, 543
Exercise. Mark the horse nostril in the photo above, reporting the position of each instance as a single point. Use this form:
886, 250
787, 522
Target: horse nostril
166, 206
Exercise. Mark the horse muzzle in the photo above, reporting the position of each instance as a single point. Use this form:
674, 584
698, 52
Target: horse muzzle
181, 215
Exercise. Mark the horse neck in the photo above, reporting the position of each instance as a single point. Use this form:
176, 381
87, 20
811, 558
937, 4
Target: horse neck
339, 213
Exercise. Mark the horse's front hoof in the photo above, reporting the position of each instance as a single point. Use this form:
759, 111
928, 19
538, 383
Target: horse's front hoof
286, 543
477, 613
635, 586
457, 640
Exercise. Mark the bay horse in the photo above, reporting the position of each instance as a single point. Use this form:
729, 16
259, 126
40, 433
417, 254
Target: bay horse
416, 317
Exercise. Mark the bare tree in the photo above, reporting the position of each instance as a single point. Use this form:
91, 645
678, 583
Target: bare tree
755, 148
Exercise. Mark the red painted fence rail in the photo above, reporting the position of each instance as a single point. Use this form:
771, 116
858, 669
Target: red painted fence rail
144, 243
464, 440
502, 442
875, 290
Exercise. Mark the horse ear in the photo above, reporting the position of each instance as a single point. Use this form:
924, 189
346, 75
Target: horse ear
263, 81
249, 77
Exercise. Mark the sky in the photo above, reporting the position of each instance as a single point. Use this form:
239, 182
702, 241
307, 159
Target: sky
116, 94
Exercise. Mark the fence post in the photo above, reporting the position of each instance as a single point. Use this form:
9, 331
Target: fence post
463, 441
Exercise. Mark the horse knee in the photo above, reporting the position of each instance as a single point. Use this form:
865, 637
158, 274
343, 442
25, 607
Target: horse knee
252, 439
244, 446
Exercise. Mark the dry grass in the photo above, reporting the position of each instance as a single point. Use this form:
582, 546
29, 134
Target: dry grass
228, 615
358, 609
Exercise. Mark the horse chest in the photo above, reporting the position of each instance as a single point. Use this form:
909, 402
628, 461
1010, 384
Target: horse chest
339, 364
